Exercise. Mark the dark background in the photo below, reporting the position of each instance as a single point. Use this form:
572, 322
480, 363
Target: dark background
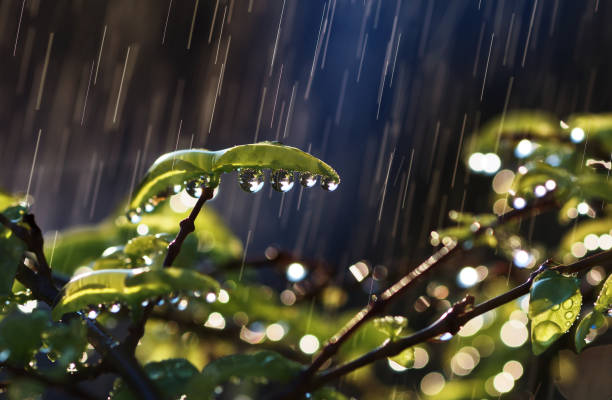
429, 57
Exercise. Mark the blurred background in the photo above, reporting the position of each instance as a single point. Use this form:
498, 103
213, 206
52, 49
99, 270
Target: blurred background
385, 91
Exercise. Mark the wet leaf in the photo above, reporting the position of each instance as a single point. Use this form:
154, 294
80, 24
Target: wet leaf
11, 255
20, 336
549, 289
549, 325
328, 393
604, 300
25, 389
264, 364
169, 376
66, 342
587, 329
131, 286
183, 166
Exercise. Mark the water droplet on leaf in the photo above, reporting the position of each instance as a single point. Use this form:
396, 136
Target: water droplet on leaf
194, 189
149, 207
329, 184
569, 315
92, 314
282, 181
133, 216
182, 304
546, 331
307, 179
251, 180
115, 308
567, 304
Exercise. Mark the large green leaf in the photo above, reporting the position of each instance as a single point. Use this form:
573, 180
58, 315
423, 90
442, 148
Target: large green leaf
177, 168
169, 376
549, 325
264, 364
550, 289
131, 286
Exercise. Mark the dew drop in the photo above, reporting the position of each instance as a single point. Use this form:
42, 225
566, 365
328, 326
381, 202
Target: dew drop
4, 355
145, 303
282, 181
567, 304
329, 184
182, 304
149, 207
176, 189
307, 179
569, 315
174, 299
133, 216
161, 302
445, 337
251, 180
115, 308
92, 314
556, 307
194, 189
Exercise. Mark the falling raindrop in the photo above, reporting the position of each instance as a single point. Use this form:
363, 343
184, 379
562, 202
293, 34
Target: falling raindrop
282, 181
115, 308
134, 216
307, 179
329, 184
251, 180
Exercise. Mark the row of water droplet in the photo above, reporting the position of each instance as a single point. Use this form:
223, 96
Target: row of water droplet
250, 180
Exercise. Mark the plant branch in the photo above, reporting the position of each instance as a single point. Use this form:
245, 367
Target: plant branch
377, 306
455, 317
33, 239
136, 330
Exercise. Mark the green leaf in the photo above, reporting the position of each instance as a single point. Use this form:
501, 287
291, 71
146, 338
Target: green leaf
587, 329
391, 326
548, 326
169, 376
182, 166
405, 358
25, 389
549, 289
538, 174
130, 286
66, 342
20, 336
264, 364
327, 393
11, 255
604, 300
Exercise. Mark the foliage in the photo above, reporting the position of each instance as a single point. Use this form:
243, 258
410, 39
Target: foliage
212, 330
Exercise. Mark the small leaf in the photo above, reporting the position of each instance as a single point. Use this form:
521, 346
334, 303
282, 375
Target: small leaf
391, 326
604, 300
405, 358
548, 326
550, 289
587, 329
183, 166
264, 364
130, 286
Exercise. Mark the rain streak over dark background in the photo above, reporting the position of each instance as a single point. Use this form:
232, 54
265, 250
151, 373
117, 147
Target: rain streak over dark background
383, 90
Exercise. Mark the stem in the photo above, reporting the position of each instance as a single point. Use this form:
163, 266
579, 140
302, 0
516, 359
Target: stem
400, 287
452, 320
136, 331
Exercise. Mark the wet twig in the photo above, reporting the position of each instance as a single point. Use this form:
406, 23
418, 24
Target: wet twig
136, 330
451, 321
379, 304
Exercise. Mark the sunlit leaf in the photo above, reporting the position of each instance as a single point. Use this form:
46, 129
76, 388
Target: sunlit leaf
328, 393
131, 286
11, 255
182, 166
604, 300
265, 364
582, 229
550, 289
587, 329
548, 326
391, 326
169, 376
405, 358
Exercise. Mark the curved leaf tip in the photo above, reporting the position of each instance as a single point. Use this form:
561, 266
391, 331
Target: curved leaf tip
196, 168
